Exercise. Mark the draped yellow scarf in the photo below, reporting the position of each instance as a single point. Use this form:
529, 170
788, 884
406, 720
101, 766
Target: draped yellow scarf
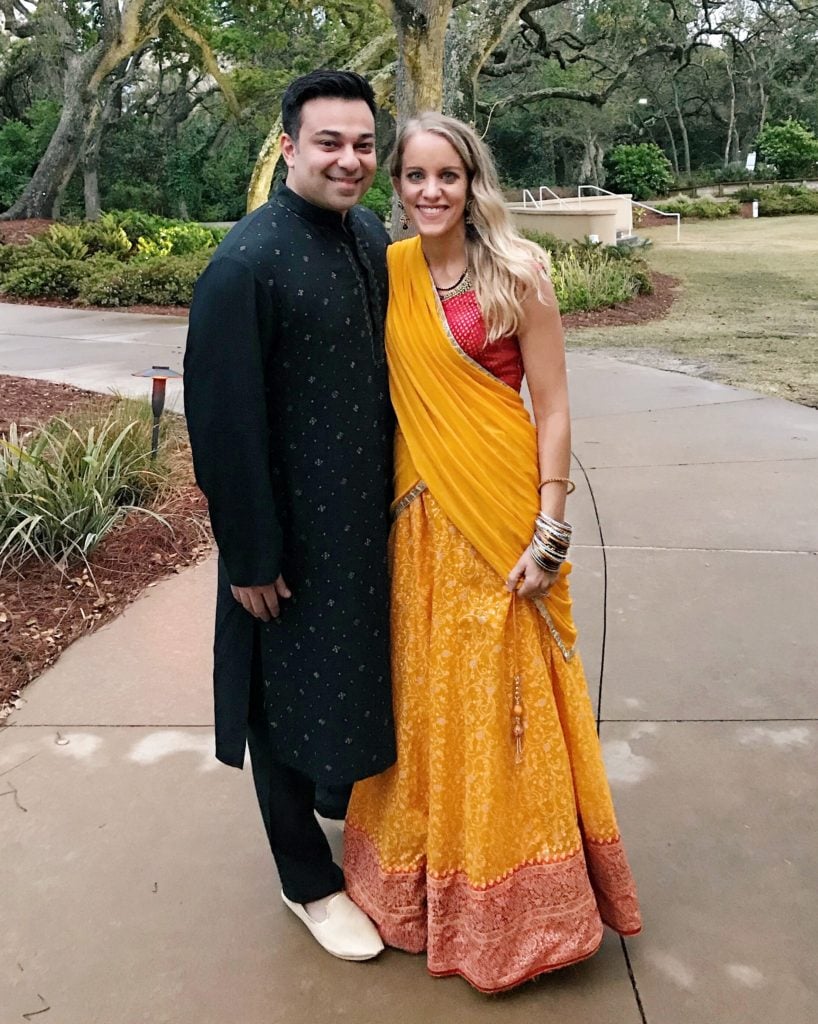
463, 432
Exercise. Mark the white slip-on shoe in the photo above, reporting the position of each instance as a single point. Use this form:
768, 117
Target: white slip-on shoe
346, 931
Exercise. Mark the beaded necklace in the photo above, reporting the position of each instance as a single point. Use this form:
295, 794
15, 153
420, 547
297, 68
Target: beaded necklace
460, 287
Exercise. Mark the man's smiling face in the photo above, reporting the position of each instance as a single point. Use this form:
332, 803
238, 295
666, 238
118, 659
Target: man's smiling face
332, 162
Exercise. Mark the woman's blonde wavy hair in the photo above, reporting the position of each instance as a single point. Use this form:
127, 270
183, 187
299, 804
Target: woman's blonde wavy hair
503, 267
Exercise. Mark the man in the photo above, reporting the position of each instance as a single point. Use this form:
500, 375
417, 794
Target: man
288, 412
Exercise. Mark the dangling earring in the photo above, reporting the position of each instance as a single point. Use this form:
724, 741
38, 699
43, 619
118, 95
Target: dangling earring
469, 218
404, 220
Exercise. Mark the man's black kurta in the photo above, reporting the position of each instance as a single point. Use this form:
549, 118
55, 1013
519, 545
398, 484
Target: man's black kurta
288, 411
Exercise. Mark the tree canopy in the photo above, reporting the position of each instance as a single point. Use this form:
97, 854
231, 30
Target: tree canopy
171, 106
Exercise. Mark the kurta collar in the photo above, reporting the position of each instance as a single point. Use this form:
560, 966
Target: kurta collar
309, 211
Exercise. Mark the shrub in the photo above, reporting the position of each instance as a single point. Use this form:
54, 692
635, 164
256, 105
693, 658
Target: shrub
65, 241
559, 246
701, 209
642, 170
45, 276
739, 172
585, 284
22, 143
163, 281
123, 195
105, 235
790, 146
136, 223
551, 243
101, 278
176, 236
379, 197
63, 490
587, 276
176, 240
9, 256
780, 200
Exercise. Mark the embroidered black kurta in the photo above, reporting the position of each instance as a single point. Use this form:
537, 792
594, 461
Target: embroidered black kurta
288, 412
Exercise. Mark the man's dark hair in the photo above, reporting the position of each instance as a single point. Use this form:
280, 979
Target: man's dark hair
344, 85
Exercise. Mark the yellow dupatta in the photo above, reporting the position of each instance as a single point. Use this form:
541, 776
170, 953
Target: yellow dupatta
463, 433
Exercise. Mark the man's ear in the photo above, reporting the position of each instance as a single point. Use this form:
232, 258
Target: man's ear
288, 148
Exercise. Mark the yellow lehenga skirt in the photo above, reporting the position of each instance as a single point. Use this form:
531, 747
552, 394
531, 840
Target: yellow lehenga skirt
499, 870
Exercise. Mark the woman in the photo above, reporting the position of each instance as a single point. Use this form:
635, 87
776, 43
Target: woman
492, 843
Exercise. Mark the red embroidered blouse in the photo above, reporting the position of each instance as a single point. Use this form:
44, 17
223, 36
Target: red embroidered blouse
501, 358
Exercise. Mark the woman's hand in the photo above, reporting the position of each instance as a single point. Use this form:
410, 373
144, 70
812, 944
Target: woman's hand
528, 579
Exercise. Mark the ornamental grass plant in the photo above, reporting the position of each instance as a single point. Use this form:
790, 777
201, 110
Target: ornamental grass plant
66, 485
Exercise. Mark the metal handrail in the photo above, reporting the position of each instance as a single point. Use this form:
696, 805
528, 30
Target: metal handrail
634, 202
528, 195
551, 192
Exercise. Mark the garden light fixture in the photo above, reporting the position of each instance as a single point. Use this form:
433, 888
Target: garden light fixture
159, 375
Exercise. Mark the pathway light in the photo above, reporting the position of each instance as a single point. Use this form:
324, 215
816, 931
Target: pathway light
159, 375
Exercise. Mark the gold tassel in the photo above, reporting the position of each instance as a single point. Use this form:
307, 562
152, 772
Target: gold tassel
518, 725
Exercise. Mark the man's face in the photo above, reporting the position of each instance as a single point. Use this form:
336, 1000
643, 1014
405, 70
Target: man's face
333, 162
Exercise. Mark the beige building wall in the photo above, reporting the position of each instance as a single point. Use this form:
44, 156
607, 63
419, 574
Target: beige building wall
620, 205
568, 224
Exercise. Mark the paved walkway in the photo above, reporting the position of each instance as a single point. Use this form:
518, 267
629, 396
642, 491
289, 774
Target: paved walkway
90, 348
136, 882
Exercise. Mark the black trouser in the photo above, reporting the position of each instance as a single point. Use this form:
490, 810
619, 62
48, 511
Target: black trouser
287, 801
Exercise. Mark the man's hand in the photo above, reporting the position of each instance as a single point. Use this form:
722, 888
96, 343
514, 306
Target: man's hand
262, 602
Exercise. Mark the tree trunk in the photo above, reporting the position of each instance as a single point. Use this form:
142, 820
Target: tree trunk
421, 31
731, 122
104, 112
460, 83
60, 159
592, 158
765, 100
123, 34
90, 168
673, 151
261, 180
91, 190
682, 128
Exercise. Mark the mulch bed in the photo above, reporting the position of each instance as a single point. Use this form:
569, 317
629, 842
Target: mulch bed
18, 232
29, 402
649, 219
636, 311
46, 609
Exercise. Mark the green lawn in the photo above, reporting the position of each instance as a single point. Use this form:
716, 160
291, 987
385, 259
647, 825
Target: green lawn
747, 310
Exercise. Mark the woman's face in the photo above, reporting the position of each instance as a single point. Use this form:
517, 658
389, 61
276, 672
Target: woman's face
433, 185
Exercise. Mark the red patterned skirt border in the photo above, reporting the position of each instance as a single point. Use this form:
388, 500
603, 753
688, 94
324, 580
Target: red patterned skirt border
541, 917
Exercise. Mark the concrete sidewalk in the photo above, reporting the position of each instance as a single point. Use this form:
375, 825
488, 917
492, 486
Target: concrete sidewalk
90, 348
137, 886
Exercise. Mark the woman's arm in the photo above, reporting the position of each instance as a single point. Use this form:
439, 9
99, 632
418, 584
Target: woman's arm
543, 352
